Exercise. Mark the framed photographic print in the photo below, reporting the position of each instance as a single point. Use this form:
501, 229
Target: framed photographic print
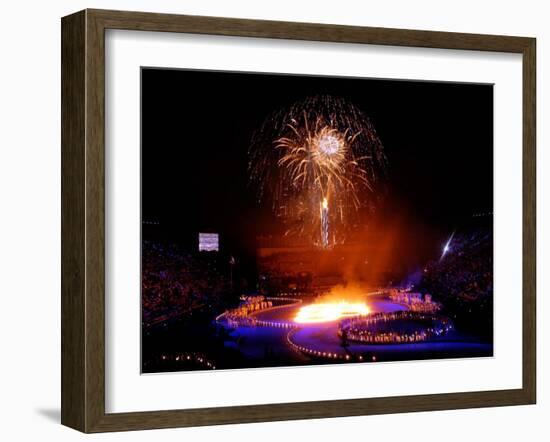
266, 221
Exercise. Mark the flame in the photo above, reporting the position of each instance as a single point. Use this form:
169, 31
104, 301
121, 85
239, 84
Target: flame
327, 312
325, 203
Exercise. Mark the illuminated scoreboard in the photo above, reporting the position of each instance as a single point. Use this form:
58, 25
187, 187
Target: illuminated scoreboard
208, 242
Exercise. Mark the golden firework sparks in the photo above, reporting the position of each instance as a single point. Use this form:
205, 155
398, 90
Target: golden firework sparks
322, 148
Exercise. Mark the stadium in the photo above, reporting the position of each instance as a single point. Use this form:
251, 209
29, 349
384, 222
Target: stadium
295, 220
307, 316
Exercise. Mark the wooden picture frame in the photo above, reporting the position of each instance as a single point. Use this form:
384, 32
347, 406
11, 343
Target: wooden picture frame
83, 220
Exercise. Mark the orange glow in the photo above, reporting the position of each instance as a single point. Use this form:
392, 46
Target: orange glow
328, 312
325, 203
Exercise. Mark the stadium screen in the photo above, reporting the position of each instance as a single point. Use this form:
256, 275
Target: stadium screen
208, 242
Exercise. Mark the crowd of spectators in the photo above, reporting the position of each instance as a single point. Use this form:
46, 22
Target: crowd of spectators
174, 282
466, 269
279, 273
462, 279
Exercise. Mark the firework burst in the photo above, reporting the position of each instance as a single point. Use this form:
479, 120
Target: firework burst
322, 150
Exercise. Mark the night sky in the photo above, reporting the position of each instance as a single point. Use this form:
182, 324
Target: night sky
197, 126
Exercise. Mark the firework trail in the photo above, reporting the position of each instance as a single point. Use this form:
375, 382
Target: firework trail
322, 150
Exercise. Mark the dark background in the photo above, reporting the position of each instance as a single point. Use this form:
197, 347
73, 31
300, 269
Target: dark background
196, 131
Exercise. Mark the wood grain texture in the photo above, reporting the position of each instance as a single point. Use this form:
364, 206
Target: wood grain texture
83, 220
529, 221
73, 128
95, 222
144, 21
